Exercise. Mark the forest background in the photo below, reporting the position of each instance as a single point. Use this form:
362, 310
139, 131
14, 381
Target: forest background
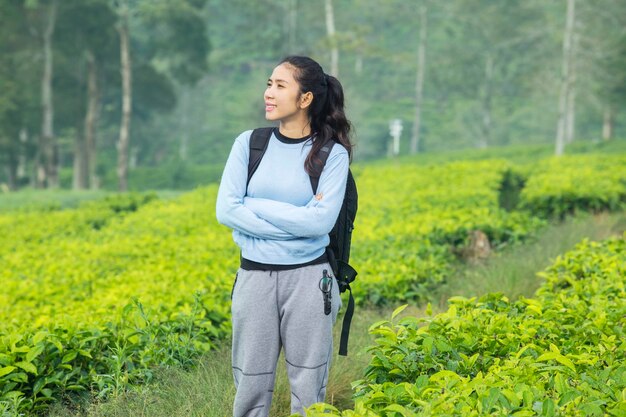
150, 94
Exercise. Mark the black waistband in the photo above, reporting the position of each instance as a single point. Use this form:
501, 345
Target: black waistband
249, 265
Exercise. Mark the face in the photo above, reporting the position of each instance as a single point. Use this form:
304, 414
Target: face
283, 100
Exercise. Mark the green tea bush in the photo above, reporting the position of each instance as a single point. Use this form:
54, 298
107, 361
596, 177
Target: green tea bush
67, 316
94, 297
53, 362
561, 353
414, 220
561, 186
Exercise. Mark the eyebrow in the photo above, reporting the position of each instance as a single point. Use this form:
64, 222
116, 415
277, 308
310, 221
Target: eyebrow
278, 81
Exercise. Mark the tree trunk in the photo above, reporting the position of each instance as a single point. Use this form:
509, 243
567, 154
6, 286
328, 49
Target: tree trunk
38, 178
79, 177
608, 123
21, 164
13, 162
571, 96
185, 99
124, 138
330, 31
565, 78
291, 17
47, 171
486, 103
419, 83
91, 120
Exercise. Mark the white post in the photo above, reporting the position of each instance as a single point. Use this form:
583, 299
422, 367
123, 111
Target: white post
395, 130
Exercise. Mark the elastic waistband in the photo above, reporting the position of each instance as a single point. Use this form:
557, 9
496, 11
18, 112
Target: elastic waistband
249, 265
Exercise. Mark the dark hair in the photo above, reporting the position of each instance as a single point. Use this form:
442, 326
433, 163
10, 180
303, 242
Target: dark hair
326, 114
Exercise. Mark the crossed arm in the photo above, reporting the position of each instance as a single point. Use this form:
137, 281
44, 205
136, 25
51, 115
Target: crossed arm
276, 220
318, 216
230, 209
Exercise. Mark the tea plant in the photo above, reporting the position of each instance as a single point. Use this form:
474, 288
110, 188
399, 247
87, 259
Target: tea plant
561, 353
95, 297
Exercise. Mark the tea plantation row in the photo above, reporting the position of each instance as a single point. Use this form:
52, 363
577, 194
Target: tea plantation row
561, 353
94, 297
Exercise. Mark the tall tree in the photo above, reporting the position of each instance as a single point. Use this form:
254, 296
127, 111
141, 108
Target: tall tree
179, 48
176, 44
419, 79
43, 17
123, 13
332, 37
19, 94
567, 80
87, 51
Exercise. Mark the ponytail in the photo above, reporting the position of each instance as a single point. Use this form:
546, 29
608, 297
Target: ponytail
326, 112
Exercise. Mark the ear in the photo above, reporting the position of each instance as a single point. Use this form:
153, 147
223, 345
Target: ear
306, 99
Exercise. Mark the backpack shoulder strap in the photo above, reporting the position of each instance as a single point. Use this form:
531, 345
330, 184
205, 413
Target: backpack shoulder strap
258, 145
319, 163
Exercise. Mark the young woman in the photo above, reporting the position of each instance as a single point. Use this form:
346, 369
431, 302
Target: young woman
280, 291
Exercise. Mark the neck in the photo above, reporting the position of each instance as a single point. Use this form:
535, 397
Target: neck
297, 128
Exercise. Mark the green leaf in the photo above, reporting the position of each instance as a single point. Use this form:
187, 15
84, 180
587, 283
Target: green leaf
7, 370
378, 324
69, 356
563, 360
58, 344
398, 311
27, 366
21, 349
399, 409
36, 351
445, 374
39, 384
429, 310
85, 353
442, 346
39, 336
548, 408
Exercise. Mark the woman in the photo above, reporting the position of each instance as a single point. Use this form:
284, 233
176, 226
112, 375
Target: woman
280, 293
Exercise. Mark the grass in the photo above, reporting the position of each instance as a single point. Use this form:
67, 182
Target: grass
208, 389
45, 200
519, 154
513, 271
49, 200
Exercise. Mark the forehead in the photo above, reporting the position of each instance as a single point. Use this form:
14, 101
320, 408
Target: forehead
283, 72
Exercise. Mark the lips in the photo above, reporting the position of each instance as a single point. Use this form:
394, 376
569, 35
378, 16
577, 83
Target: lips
269, 107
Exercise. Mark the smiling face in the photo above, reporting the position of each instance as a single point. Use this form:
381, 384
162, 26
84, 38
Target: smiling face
283, 100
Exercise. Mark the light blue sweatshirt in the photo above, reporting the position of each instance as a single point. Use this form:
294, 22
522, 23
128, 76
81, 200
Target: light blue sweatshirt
278, 220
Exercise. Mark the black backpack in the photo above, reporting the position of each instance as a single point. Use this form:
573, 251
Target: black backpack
338, 250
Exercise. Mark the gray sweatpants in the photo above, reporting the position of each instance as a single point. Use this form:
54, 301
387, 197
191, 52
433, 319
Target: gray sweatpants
274, 309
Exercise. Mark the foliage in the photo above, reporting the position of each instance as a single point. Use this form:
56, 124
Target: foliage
97, 296
491, 73
561, 353
80, 330
592, 183
413, 219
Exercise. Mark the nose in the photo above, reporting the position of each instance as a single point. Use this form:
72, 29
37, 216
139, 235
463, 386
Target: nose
268, 93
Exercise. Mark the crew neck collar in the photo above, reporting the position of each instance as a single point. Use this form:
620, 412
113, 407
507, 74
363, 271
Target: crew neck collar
285, 139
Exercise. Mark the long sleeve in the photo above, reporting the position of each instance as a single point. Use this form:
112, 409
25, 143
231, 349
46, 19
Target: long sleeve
317, 217
230, 210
